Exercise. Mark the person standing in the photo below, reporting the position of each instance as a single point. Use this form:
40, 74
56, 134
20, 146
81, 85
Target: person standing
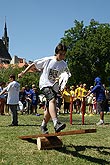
34, 101
78, 95
28, 92
90, 102
13, 89
66, 98
51, 69
22, 100
99, 91
2, 98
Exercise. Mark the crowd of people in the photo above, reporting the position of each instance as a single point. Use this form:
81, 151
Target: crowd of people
30, 100
77, 93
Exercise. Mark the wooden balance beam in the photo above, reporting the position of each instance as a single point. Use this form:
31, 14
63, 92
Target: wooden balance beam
53, 140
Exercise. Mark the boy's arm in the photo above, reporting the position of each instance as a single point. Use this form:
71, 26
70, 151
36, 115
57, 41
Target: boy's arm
2, 92
89, 92
31, 66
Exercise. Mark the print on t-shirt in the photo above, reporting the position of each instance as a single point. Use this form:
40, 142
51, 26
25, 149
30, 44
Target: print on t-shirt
53, 74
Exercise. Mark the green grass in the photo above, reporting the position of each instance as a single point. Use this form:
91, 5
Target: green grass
81, 149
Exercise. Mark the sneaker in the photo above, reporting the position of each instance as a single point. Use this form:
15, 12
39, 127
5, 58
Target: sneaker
59, 126
100, 123
37, 114
44, 129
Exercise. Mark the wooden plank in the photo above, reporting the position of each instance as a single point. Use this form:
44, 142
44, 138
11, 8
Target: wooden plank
81, 131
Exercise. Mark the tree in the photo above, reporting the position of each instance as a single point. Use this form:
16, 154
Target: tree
28, 79
88, 53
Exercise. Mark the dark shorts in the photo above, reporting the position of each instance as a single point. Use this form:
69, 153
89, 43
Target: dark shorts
49, 94
101, 106
78, 102
66, 105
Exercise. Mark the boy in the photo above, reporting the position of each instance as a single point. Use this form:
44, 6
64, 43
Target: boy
51, 69
13, 89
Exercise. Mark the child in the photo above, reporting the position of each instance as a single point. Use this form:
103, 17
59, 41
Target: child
34, 99
51, 69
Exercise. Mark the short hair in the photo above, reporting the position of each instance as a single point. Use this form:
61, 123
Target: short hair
60, 47
12, 76
33, 86
2, 83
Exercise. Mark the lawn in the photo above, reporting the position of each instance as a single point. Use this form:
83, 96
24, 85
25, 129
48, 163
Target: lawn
81, 149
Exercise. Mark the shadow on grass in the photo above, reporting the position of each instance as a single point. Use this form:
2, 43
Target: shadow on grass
91, 124
68, 151
34, 141
23, 125
91, 158
85, 122
29, 125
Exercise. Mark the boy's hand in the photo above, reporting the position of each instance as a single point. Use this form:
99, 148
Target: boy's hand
20, 74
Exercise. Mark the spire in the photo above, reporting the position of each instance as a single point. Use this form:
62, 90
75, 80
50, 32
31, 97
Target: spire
5, 38
5, 30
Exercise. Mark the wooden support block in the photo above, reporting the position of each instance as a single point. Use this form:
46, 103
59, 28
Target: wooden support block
49, 142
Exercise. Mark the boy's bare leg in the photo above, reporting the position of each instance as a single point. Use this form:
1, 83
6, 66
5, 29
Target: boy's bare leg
102, 115
45, 121
53, 111
52, 108
46, 116
50, 112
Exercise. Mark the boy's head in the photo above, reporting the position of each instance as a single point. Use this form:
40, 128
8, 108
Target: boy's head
60, 48
12, 77
60, 51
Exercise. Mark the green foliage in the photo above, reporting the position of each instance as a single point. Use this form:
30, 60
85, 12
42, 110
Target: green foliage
4, 73
28, 79
88, 53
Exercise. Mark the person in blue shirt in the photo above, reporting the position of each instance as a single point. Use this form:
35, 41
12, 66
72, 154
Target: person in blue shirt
34, 101
28, 92
99, 92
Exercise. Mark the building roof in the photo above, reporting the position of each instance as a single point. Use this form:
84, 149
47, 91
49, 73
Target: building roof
4, 52
20, 65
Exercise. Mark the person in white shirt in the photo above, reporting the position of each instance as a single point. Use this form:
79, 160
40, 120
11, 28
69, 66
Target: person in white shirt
12, 89
51, 69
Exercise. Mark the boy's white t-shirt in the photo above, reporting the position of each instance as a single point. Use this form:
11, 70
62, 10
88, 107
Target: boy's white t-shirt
13, 89
50, 70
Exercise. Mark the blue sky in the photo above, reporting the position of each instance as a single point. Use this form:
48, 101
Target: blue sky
35, 27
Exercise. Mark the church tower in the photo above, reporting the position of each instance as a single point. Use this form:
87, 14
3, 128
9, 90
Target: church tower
5, 57
5, 38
